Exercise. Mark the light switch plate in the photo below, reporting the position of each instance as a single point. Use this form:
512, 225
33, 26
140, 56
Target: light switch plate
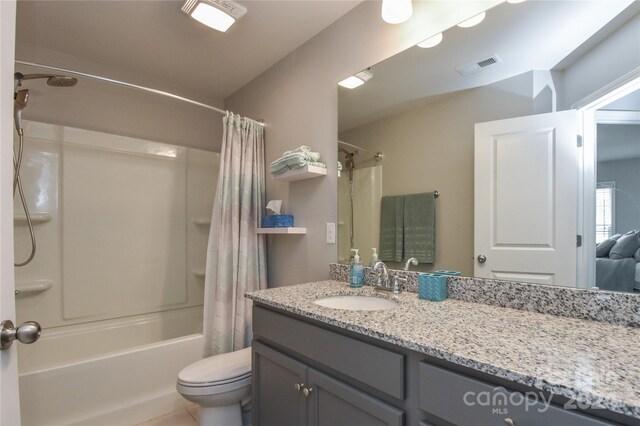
331, 233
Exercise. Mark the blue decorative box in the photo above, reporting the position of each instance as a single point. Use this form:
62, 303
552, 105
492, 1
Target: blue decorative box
432, 287
277, 221
450, 273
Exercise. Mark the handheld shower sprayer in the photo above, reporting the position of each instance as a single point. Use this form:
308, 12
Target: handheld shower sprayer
20, 99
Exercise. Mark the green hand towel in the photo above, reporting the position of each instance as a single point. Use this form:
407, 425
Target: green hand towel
391, 228
420, 227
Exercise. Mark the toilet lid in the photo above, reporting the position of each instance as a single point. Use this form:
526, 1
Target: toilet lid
222, 368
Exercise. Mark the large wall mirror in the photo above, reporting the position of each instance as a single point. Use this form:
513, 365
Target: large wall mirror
483, 118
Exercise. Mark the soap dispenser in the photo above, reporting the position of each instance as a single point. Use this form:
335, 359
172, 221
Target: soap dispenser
356, 278
374, 257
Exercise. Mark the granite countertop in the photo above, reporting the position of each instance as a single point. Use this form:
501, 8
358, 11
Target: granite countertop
594, 363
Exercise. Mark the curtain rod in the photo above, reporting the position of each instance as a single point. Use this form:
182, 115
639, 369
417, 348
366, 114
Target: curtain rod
129, 85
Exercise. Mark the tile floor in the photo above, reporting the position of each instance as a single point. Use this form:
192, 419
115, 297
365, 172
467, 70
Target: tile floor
187, 417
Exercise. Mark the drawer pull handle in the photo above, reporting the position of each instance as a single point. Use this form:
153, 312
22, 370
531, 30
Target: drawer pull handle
298, 386
509, 422
306, 392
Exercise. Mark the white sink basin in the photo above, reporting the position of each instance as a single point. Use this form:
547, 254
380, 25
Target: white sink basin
356, 303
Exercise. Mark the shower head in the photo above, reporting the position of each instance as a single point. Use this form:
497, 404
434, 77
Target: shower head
53, 80
21, 97
62, 81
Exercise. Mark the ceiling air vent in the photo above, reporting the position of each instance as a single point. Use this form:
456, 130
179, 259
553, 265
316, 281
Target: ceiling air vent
477, 66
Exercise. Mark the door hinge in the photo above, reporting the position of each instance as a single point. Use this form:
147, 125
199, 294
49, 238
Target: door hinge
578, 240
579, 140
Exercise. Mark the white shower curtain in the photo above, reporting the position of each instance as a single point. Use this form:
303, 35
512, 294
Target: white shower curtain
236, 254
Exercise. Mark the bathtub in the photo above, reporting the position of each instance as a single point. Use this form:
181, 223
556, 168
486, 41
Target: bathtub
117, 283
72, 379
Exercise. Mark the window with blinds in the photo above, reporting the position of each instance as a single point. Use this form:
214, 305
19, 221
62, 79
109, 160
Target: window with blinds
605, 210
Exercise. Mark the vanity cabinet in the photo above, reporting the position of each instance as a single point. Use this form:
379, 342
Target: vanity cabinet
462, 400
310, 373
276, 399
288, 392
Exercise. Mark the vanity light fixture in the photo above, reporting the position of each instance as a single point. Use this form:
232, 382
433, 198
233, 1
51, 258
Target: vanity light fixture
473, 21
216, 14
356, 80
396, 11
431, 41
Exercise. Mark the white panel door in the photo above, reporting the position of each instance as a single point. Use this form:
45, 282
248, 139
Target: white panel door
526, 189
9, 396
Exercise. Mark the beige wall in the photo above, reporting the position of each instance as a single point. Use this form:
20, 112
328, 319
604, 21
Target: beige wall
104, 107
431, 148
298, 98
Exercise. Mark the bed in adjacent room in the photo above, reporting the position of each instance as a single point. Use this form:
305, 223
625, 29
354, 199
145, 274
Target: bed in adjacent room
618, 262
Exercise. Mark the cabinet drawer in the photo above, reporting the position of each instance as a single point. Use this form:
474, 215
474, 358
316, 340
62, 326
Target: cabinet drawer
373, 366
461, 400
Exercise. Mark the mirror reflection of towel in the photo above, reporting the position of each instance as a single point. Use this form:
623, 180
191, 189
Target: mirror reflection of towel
391, 228
408, 228
420, 227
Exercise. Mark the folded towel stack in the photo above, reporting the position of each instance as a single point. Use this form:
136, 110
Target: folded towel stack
295, 159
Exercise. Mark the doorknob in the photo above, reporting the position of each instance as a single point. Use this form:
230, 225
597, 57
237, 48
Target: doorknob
27, 332
482, 258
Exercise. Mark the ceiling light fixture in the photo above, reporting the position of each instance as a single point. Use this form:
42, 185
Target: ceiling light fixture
515, 1
431, 41
396, 11
216, 14
473, 21
356, 80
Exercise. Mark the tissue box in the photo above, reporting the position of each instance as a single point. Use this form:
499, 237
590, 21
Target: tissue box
432, 287
277, 221
443, 272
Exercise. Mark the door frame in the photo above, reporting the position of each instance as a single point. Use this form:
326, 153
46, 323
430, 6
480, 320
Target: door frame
9, 392
588, 119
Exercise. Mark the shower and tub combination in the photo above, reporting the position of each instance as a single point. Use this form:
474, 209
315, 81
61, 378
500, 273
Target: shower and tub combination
359, 189
121, 227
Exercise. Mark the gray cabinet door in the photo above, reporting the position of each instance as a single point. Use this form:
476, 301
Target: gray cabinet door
466, 401
276, 402
333, 403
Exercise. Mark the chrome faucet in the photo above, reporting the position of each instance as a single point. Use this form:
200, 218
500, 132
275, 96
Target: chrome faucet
413, 261
383, 279
396, 285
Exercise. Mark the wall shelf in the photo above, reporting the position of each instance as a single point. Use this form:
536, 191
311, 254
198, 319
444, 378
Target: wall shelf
303, 173
281, 231
36, 217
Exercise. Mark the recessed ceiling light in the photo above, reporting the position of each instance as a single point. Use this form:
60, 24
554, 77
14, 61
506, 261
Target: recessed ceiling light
431, 41
473, 21
356, 80
216, 14
515, 1
396, 11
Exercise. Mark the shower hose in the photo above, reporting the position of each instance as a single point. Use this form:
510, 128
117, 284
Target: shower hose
17, 184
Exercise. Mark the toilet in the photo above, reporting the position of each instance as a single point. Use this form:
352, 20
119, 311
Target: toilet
218, 384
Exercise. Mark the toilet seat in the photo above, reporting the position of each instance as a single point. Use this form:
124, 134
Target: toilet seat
214, 383
216, 374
